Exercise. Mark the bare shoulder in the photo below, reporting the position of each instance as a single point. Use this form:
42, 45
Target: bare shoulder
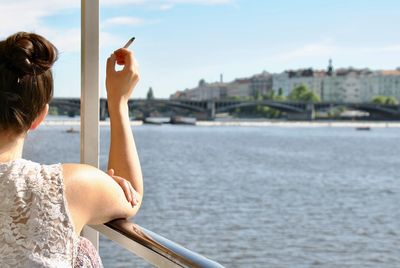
93, 197
79, 174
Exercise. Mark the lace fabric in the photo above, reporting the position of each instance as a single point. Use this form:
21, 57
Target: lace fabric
35, 226
87, 256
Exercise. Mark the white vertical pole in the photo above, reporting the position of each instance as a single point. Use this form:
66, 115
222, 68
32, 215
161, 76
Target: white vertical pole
90, 92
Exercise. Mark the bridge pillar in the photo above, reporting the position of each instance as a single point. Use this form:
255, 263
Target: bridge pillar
211, 110
103, 109
307, 115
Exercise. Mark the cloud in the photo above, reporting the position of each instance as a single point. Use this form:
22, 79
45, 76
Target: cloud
28, 15
164, 4
329, 49
109, 40
66, 41
324, 48
201, 2
124, 2
123, 21
169, 4
383, 49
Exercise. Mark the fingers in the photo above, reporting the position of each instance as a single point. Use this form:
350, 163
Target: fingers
110, 68
110, 172
135, 197
130, 194
126, 186
125, 57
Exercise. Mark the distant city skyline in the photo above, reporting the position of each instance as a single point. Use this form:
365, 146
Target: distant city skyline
179, 42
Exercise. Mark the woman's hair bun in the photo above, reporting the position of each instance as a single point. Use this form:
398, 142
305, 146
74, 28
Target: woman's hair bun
28, 53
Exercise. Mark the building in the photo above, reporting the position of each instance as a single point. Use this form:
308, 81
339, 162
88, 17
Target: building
361, 85
259, 84
388, 83
289, 80
239, 88
341, 85
204, 91
346, 85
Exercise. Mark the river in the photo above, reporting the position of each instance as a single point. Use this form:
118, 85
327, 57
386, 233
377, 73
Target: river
260, 196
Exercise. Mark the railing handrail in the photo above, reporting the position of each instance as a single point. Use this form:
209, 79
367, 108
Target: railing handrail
155, 249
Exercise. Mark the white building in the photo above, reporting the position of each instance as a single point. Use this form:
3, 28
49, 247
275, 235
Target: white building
389, 83
281, 81
289, 80
342, 85
345, 85
352, 85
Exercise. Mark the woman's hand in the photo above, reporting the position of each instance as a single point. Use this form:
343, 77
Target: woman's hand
120, 84
130, 193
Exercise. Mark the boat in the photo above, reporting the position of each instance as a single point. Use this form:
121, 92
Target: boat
72, 130
363, 128
152, 121
180, 120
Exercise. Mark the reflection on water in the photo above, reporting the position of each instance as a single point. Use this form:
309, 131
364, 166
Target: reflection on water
260, 197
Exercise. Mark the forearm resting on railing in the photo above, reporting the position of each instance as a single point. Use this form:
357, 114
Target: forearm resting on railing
123, 157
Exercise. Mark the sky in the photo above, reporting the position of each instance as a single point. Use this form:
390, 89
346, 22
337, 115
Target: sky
179, 42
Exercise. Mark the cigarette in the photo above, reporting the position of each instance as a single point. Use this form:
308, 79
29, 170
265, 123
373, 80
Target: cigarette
129, 42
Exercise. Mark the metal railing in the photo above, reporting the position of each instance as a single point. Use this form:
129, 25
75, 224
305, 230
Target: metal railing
155, 249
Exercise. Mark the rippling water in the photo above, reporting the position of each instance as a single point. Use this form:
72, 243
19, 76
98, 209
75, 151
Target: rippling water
260, 197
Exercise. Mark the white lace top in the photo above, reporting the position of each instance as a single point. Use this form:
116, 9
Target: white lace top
35, 227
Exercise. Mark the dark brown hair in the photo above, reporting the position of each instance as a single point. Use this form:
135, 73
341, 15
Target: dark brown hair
26, 80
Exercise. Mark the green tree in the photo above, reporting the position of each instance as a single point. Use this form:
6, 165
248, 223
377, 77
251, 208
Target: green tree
302, 93
392, 101
202, 83
53, 110
270, 95
150, 94
280, 92
280, 96
258, 96
388, 100
379, 100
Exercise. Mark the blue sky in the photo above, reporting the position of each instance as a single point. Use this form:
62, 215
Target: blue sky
179, 42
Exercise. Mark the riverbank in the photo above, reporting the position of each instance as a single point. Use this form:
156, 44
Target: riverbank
256, 123
353, 124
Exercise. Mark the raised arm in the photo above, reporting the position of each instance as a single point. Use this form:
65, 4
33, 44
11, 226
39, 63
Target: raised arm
93, 196
123, 157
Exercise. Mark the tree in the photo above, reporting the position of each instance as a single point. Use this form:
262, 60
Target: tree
280, 96
270, 95
53, 110
392, 101
258, 96
379, 100
385, 100
202, 83
302, 93
150, 94
311, 97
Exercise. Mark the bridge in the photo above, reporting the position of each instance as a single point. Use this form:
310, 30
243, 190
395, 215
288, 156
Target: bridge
294, 110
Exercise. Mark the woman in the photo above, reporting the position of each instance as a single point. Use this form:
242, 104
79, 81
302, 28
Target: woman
43, 208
